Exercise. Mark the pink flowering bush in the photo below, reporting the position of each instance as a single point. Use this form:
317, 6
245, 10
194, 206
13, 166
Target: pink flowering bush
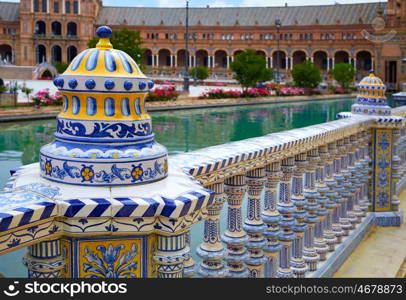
256, 92
288, 91
45, 97
292, 91
222, 94
164, 93
215, 83
341, 90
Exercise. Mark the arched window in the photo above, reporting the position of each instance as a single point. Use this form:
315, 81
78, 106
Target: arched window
6, 53
56, 54
56, 28
67, 7
56, 7
36, 5
75, 7
40, 28
41, 54
72, 52
72, 29
44, 6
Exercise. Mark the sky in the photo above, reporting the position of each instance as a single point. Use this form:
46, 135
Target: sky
222, 3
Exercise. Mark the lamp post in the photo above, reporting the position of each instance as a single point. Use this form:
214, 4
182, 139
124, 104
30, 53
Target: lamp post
194, 37
186, 75
278, 24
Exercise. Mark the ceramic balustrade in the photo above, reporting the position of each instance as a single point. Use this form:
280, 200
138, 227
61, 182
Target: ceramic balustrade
310, 254
331, 194
320, 243
271, 217
312, 181
254, 225
212, 250
298, 264
235, 237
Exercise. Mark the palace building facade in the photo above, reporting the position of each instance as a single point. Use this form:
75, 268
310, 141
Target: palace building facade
369, 35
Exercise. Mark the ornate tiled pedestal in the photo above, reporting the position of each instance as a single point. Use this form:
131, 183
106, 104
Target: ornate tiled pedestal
103, 200
371, 101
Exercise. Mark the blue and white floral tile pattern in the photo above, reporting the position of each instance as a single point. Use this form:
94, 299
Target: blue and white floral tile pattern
115, 131
108, 263
103, 173
23, 237
85, 225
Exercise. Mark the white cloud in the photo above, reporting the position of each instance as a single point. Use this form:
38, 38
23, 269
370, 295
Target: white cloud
220, 3
171, 3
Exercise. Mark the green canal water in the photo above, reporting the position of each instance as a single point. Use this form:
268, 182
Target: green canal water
180, 131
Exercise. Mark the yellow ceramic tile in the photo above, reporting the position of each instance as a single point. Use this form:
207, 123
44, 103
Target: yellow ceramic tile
117, 258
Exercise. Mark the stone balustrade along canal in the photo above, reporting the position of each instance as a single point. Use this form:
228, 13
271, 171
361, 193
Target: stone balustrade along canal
105, 200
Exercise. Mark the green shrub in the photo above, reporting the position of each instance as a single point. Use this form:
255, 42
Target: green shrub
250, 68
60, 67
306, 75
200, 73
344, 74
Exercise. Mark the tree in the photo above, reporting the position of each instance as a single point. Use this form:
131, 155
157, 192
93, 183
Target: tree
60, 66
199, 73
344, 74
250, 68
306, 75
125, 40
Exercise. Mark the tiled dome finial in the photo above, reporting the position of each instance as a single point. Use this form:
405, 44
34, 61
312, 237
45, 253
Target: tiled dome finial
104, 134
371, 99
104, 33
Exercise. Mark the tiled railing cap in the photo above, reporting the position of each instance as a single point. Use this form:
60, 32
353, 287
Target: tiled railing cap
208, 160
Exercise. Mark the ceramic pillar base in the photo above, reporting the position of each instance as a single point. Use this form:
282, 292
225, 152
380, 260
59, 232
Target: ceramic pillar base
331, 239
345, 225
311, 258
321, 248
338, 232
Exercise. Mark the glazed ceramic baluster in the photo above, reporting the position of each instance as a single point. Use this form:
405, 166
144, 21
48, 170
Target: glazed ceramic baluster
395, 171
319, 241
331, 194
45, 260
235, 237
271, 217
364, 178
211, 250
286, 209
254, 225
170, 254
298, 264
346, 194
339, 188
189, 266
352, 179
358, 212
309, 252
